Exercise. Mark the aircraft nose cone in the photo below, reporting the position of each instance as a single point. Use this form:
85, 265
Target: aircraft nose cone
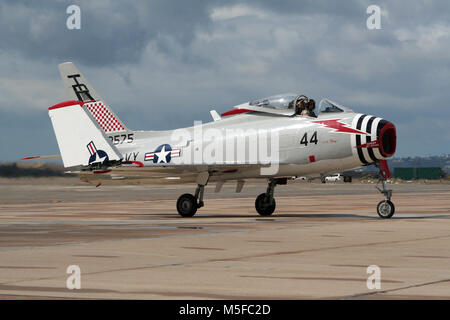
387, 136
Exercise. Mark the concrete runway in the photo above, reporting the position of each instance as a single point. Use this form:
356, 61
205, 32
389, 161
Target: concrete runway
130, 243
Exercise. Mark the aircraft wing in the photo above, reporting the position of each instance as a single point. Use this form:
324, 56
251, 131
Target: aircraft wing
134, 174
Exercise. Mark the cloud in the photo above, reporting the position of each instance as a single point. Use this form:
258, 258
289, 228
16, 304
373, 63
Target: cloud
235, 11
112, 32
426, 39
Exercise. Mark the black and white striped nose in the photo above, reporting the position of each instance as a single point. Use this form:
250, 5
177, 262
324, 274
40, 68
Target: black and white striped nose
380, 139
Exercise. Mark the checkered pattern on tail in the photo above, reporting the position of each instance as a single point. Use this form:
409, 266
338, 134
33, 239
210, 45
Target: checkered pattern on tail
104, 117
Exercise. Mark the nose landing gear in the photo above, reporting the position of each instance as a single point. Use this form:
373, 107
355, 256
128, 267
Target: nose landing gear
385, 208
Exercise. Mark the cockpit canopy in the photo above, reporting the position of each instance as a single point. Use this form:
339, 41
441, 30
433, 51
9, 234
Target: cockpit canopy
284, 104
279, 101
327, 106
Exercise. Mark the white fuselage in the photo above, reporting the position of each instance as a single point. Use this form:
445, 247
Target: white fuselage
306, 147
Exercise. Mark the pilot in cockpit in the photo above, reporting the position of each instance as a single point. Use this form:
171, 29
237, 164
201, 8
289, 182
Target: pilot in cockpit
310, 107
300, 107
305, 108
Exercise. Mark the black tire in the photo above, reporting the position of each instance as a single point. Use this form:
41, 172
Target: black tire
264, 208
385, 209
187, 205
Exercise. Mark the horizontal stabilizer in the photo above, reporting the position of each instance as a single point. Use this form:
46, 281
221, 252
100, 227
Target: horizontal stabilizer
56, 156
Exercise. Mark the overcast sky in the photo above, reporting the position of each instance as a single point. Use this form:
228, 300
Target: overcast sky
163, 64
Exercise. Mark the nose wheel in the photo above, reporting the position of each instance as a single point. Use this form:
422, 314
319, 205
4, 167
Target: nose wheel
385, 209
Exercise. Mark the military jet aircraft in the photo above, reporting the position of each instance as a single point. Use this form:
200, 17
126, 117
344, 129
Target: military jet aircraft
268, 138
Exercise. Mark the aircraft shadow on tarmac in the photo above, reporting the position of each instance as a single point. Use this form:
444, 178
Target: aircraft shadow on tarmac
402, 216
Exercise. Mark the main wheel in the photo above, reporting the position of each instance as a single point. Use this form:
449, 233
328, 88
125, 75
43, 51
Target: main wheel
385, 209
264, 208
187, 205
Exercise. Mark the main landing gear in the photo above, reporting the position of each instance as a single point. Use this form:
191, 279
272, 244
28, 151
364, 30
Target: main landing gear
188, 204
265, 203
385, 208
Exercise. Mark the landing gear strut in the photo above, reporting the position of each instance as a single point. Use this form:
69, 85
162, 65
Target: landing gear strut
265, 203
385, 208
188, 204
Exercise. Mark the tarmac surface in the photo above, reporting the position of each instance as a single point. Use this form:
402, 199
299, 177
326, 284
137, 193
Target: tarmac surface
130, 243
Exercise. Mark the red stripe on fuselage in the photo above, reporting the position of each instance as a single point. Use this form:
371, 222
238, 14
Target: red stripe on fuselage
235, 111
338, 126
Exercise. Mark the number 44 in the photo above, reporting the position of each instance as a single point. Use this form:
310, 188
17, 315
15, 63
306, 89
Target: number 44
305, 139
